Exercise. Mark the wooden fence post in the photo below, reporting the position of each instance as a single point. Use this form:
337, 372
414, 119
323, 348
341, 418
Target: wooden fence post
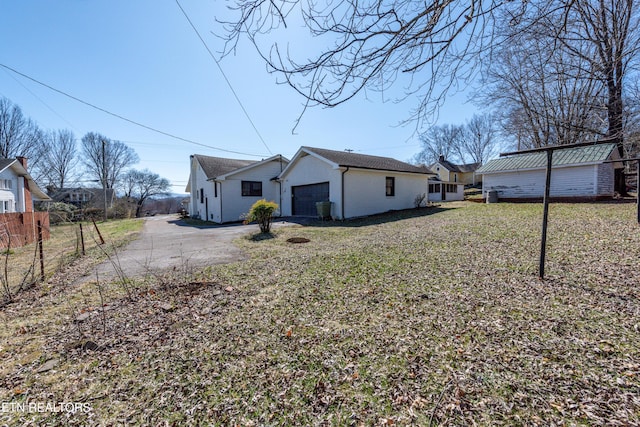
41, 251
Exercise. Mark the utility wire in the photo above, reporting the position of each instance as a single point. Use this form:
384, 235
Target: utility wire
124, 118
225, 77
38, 98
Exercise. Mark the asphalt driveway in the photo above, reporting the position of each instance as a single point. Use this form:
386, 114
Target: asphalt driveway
166, 243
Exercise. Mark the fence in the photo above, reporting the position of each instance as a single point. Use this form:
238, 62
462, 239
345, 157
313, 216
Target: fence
19, 229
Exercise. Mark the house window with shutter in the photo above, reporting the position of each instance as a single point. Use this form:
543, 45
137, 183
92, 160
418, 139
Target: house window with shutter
202, 195
390, 187
252, 188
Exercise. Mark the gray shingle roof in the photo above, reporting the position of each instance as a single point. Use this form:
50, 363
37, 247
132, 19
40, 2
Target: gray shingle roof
570, 156
364, 161
216, 166
5, 163
467, 167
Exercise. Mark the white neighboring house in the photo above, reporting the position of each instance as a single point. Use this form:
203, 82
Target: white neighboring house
222, 190
441, 191
355, 184
581, 172
18, 190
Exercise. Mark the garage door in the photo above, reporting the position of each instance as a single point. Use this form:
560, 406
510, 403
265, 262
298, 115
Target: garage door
305, 198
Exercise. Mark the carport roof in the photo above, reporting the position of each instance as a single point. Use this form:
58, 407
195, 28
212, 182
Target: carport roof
365, 161
566, 157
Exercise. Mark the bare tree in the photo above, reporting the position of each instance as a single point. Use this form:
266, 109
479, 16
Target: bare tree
106, 160
19, 136
140, 186
479, 139
369, 44
542, 95
442, 140
59, 160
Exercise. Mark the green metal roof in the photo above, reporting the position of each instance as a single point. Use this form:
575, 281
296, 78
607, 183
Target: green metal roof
567, 157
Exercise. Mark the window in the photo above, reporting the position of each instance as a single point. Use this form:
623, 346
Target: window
252, 188
452, 188
5, 184
434, 188
5, 206
455, 177
390, 186
215, 189
202, 195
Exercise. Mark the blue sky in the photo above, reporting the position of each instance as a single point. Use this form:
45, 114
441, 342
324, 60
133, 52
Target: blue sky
142, 60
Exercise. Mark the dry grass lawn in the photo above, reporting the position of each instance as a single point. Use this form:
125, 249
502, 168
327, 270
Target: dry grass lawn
421, 318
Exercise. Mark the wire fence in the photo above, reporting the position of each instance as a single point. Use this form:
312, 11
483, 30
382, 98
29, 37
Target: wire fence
55, 247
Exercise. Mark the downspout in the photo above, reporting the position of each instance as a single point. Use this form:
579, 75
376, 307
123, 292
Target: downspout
221, 205
342, 195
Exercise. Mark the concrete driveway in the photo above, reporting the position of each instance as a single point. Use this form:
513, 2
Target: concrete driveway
166, 243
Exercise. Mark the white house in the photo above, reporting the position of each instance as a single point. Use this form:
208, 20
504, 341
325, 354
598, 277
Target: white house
222, 190
453, 173
18, 190
580, 172
441, 191
355, 184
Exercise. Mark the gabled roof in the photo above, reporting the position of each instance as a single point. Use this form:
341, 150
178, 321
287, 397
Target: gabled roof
216, 166
277, 157
360, 161
590, 154
465, 168
19, 170
97, 194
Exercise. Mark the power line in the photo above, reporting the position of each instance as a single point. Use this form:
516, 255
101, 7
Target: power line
39, 99
225, 77
124, 118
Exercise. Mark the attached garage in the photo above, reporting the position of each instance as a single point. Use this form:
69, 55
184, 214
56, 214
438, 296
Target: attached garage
355, 184
305, 197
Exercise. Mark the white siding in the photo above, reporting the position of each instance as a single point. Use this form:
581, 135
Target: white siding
578, 181
10, 195
450, 197
365, 191
234, 204
206, 207
310, 170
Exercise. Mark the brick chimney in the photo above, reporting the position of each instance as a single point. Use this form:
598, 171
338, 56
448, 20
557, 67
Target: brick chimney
28, 201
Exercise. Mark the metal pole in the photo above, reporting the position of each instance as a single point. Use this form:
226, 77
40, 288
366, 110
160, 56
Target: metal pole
104, 178
545, 216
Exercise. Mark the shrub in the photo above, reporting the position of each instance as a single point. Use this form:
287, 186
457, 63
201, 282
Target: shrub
419, 200
262, 213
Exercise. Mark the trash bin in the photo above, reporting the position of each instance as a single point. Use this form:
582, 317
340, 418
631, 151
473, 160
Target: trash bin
324, 209
492, 196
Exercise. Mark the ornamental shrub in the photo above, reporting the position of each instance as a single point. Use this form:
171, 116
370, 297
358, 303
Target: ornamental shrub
262, 213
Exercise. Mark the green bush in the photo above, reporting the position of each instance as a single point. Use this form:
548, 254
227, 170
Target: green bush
262, 213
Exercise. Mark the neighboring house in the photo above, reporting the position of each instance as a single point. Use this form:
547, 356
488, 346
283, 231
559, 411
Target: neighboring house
581, 172
222, 190
19, 224
440, 191
355, 184
18, 190
452, 173
83, 198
